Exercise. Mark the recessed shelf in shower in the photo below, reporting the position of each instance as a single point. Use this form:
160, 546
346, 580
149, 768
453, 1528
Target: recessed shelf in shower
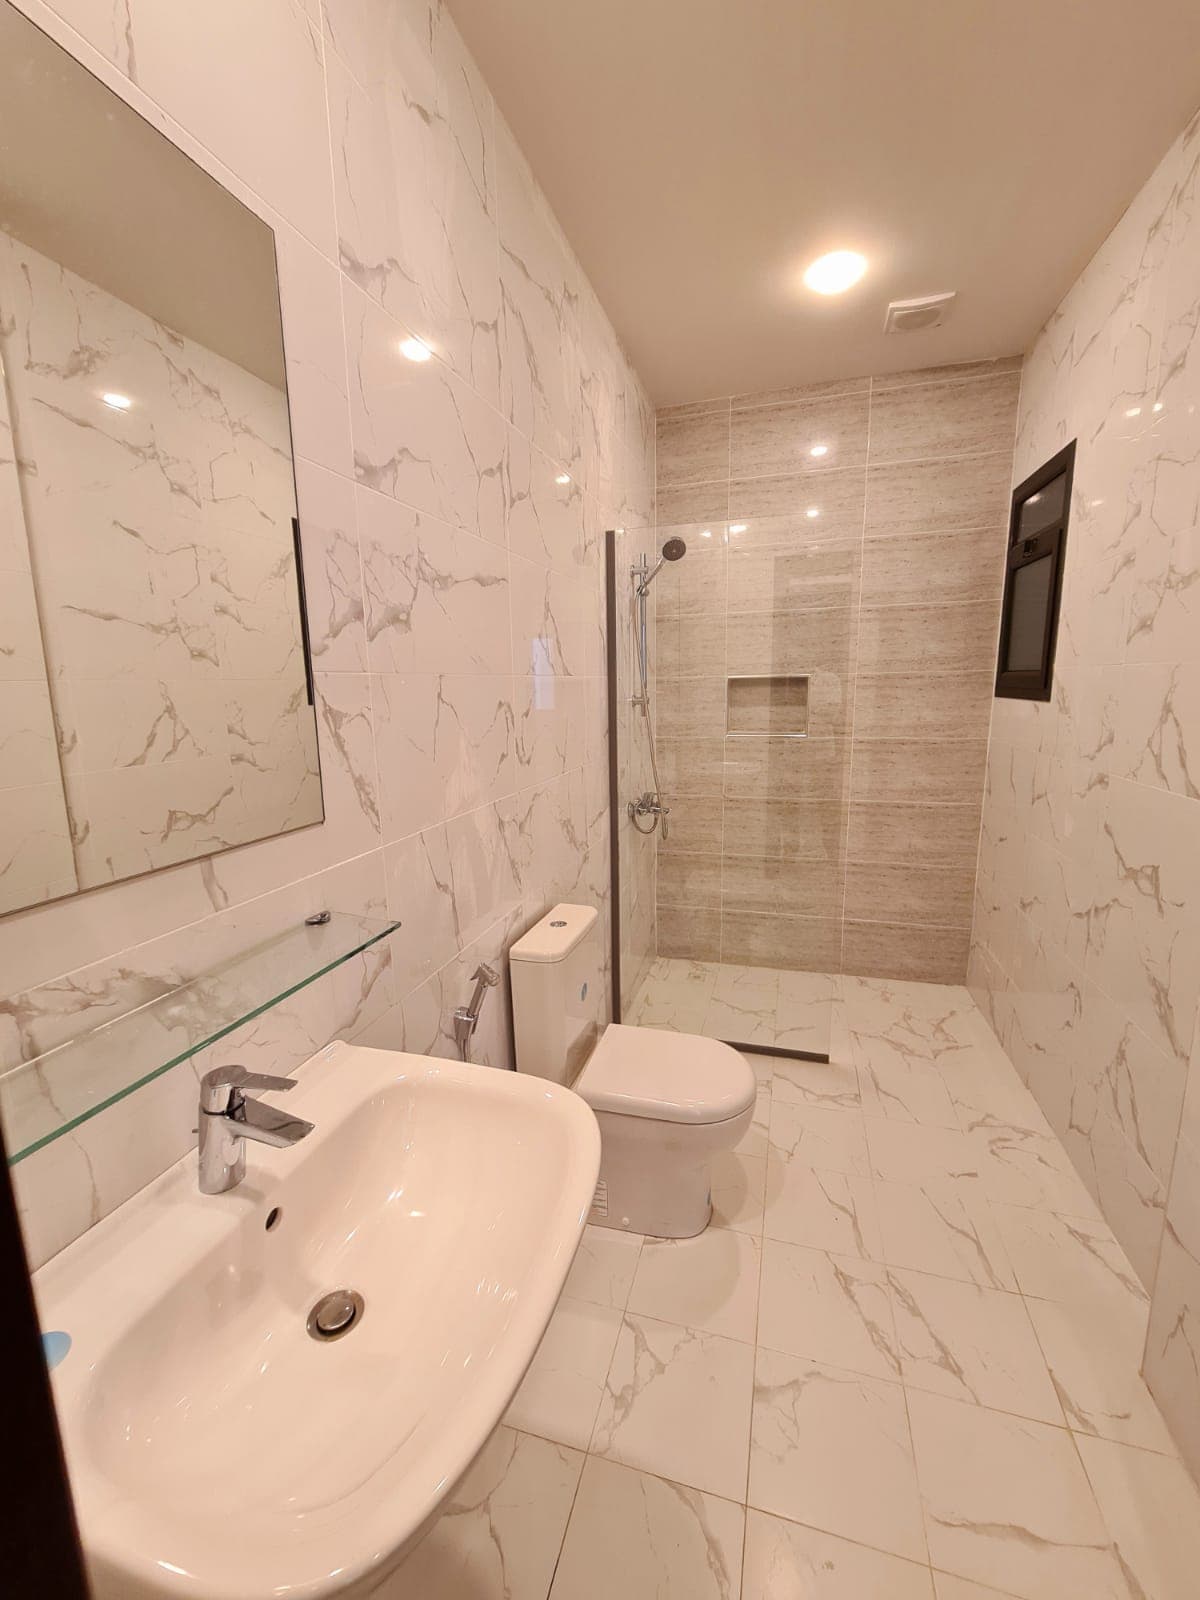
766, 706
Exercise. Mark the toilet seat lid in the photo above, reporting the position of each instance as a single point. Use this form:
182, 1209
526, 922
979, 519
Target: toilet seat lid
666, 1077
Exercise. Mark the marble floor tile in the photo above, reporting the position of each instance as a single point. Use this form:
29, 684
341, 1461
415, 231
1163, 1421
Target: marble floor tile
827, 1210
900, 1085
817, 1083
832, 1447
747, 1020
903, 1153
603, 1269
787, 1561
754, 1141
1152, 1507
709, 1282
950, 1588
634, 1535
739, 1186
830, 1139
736, 984
500, 1531
677, 1403
831, 1309
971, 1344
943, 1226
1095, 1364
1023, 1167
1071, 1259
1008, 1503
560, 1394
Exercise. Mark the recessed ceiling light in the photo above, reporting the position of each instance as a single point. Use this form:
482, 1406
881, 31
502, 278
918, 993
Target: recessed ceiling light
1157, 406
836, 272
118, 402
563, 477
1134, 411
415, 350
813, 511
737, 527
706, 533
819, 450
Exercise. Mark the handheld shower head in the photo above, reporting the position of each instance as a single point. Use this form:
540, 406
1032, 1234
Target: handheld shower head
671, 551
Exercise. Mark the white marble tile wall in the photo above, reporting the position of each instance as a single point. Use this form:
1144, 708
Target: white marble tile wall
453, 514
166, 589
1086, 947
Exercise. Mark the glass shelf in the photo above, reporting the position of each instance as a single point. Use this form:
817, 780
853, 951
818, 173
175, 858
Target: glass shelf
45, 1097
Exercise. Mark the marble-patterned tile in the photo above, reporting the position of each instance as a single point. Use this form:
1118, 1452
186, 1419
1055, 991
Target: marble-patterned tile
818, 1083
827, 1308
500, 1530
1072, 1259
900, 1153
971, 1344
833, 1447
754, 1141
603, 1269
947, 1587
899, 1085
946, 1227
739, 1185
1095, 1365
1173, 1342
787, 1561
829, 1138
421, 435
749, 1021
826, 1210
709, 1282
735, 984
1152, 1508
560, 1394
677, 1403
1007, 1502
640, 1535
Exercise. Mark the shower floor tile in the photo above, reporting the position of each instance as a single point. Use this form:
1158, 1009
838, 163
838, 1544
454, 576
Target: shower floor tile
757, 1006
903, 1361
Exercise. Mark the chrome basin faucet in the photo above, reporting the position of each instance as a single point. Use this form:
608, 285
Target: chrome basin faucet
228, 1119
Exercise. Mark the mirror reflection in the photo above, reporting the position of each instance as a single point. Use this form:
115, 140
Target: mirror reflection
155, 702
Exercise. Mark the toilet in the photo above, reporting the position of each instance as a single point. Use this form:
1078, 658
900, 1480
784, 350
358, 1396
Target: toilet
666, 1102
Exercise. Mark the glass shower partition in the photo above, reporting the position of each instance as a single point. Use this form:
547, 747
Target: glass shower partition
728, 779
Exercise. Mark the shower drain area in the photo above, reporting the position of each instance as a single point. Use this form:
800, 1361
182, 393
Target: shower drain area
335, 1314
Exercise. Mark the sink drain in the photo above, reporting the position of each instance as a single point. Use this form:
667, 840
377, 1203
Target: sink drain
335, 1314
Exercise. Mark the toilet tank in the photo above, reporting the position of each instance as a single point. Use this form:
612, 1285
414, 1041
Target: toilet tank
555, 975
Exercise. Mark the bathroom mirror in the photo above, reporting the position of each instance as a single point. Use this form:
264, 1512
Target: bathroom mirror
155, 689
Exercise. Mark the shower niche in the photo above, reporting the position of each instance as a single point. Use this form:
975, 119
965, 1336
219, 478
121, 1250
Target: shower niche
766, 706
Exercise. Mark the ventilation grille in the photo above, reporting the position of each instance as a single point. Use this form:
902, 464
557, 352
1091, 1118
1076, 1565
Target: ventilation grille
927, 311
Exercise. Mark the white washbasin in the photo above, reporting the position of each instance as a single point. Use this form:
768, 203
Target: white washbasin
216, 1450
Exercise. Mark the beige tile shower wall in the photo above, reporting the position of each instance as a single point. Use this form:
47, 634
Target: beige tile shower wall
1086, 950
853, 534
452, 516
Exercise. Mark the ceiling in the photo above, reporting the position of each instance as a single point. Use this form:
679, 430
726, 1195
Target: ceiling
88, 182
699, 153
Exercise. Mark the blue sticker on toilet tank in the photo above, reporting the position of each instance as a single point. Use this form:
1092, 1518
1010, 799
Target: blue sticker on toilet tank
55, 1346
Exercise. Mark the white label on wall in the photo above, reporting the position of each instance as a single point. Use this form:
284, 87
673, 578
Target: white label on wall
600, 1200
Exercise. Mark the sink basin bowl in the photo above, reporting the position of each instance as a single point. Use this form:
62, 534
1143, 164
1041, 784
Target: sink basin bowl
216, 1448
